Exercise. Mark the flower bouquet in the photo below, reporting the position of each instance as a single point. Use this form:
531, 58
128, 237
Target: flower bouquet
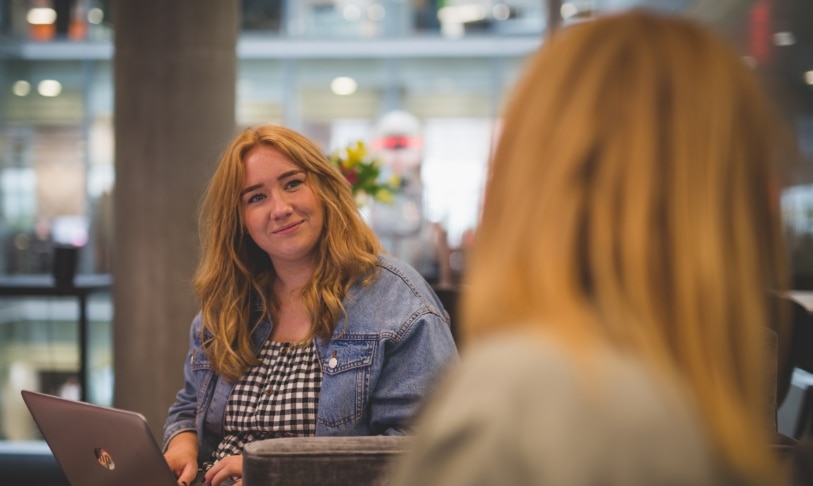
363, 173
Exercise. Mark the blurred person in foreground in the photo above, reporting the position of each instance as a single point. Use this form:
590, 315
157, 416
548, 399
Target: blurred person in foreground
615, 310
305, 327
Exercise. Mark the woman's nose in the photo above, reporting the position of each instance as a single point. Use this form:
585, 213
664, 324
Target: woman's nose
280, 207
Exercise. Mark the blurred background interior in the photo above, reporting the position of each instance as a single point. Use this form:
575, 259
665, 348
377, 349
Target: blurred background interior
336, 70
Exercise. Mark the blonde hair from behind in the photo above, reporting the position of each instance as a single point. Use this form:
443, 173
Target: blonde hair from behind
234, 276
629, 205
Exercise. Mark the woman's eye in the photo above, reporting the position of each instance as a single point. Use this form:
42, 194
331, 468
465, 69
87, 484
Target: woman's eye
294, 183
255, 197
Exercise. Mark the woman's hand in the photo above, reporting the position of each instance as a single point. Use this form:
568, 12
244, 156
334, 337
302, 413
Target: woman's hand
228, 467
182, 457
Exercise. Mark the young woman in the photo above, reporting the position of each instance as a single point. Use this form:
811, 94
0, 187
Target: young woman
616, 296
304, 329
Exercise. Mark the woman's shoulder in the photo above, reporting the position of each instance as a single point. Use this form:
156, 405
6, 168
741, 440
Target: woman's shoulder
600, 384
397, 296
197, 324
395, 282
399, 269
600, 418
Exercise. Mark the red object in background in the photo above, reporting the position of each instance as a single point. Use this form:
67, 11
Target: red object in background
350, 175
395, 142
42, 32
77, 30
760, 43
78, 26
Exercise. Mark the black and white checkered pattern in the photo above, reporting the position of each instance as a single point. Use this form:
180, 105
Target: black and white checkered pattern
277, 398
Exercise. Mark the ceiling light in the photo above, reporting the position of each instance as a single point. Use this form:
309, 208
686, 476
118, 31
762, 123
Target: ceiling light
95, 16
501, 11
49, 88
343, 86
568, 10
21, 88
41, 16
461, 14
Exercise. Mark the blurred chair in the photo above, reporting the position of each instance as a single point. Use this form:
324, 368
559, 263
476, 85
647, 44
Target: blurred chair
795, 351
322, 461
804, 424
795, 341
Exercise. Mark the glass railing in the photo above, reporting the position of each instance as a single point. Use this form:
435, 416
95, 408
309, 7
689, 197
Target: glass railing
41, 350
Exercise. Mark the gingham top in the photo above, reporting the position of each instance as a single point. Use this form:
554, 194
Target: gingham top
276, 398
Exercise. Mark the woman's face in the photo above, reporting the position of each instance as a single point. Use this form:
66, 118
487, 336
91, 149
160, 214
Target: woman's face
281, 211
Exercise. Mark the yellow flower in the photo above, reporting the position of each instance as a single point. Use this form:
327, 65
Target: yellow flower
355, 155
362, 173
385, 196
395, 180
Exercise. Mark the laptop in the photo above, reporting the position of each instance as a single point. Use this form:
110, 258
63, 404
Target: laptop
100, 446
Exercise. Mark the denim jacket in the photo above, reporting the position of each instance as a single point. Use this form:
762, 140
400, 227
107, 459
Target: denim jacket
383, 359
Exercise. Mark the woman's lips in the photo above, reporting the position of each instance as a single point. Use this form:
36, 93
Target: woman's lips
288, 228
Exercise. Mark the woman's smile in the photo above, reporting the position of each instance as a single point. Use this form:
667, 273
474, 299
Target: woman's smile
288, 229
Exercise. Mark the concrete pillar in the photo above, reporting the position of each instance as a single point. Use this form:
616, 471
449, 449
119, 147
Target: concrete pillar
175, 68
554, 8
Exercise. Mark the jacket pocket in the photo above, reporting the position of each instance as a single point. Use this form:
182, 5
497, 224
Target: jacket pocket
347, 370
199, 360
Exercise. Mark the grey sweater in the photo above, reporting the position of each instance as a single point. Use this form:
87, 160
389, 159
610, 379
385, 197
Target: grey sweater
519, 411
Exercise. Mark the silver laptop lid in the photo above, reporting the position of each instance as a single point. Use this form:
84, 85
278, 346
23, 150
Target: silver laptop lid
99, 446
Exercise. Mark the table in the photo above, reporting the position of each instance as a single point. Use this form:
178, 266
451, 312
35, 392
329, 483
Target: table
796, 414
44, 286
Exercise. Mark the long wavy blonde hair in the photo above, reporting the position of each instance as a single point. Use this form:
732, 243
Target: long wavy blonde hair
234, 276
632, 203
